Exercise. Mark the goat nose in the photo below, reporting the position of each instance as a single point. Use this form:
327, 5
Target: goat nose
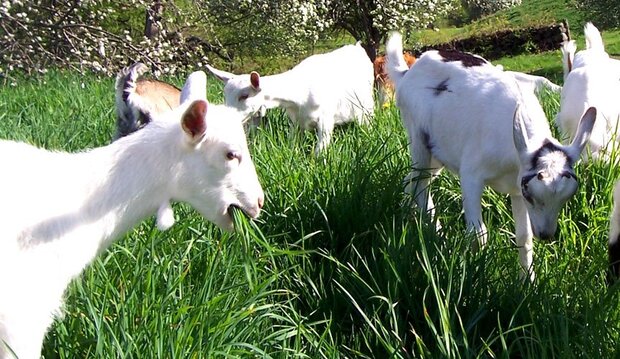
546, 236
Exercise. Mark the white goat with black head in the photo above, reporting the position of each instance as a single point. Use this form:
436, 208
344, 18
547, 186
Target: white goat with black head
463, 113
59, 210
322, 91
591, 79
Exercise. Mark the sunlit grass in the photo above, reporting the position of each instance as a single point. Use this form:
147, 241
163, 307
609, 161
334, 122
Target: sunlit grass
336, 266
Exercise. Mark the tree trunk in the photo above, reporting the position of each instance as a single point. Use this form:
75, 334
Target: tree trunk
153, 19
371, 50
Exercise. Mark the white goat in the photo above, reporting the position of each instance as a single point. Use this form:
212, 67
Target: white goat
592, 79
463, 113
138, 99
613, 245
321, 91
59, 210
534, 83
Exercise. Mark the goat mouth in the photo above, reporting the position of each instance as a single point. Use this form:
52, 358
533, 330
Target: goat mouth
544, 235
236, 208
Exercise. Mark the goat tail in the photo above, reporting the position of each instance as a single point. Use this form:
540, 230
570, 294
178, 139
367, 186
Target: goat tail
568, 56
126, 80
127, 118
396, 64
594, 40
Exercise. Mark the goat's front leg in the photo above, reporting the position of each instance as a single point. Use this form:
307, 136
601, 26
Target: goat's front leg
324, 129
471, 188
524, 235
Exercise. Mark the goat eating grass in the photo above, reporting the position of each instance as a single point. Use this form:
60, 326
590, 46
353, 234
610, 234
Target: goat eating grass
463, 113
60, 210
322, 91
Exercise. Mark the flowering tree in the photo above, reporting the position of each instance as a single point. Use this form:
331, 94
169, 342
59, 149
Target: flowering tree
96, 35
287, 24
105, 35
370, 21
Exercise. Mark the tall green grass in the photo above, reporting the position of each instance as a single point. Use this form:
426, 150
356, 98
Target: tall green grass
336, 266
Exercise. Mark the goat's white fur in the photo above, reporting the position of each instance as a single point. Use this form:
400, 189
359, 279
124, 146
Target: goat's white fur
592, 79
476, 121
60, 210
613, 244
534, 83
322, 91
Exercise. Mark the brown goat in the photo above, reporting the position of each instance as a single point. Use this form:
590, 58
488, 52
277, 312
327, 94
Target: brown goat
383, 84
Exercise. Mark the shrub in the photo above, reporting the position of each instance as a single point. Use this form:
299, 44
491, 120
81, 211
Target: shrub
479, 8
604, 13
97, 35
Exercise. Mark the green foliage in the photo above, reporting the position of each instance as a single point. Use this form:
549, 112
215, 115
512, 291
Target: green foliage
604, 14
479, 8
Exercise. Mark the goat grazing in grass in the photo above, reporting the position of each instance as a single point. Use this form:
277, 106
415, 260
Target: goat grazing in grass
139, 99
322, 91
60, 210
383, 84
591, 79
613, 246
470, 116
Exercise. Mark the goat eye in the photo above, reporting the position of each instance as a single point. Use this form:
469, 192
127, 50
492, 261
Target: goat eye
243, 97
540, 176
232, 155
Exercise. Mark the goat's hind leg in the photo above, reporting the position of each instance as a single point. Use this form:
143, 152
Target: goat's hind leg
417, 182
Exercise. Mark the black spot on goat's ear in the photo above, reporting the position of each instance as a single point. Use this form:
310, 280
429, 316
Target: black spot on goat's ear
468, 60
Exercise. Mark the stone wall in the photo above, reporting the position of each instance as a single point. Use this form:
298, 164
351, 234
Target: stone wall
508, 42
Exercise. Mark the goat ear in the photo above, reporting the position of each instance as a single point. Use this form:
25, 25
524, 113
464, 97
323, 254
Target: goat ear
220, 74
584, 130
255, 80
519, 133
194, 121
195, 87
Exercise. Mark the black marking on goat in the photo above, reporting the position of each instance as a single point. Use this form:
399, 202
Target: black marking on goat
128, 123
613, 249
441, 87
426, 140
468, 60
526, 194
128, 85
547, 147
126, 90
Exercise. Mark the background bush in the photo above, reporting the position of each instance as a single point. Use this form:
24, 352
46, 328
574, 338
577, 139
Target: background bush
479, 8
603, 13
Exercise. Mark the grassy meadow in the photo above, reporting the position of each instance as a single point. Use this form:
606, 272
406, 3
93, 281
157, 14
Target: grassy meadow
337, 265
